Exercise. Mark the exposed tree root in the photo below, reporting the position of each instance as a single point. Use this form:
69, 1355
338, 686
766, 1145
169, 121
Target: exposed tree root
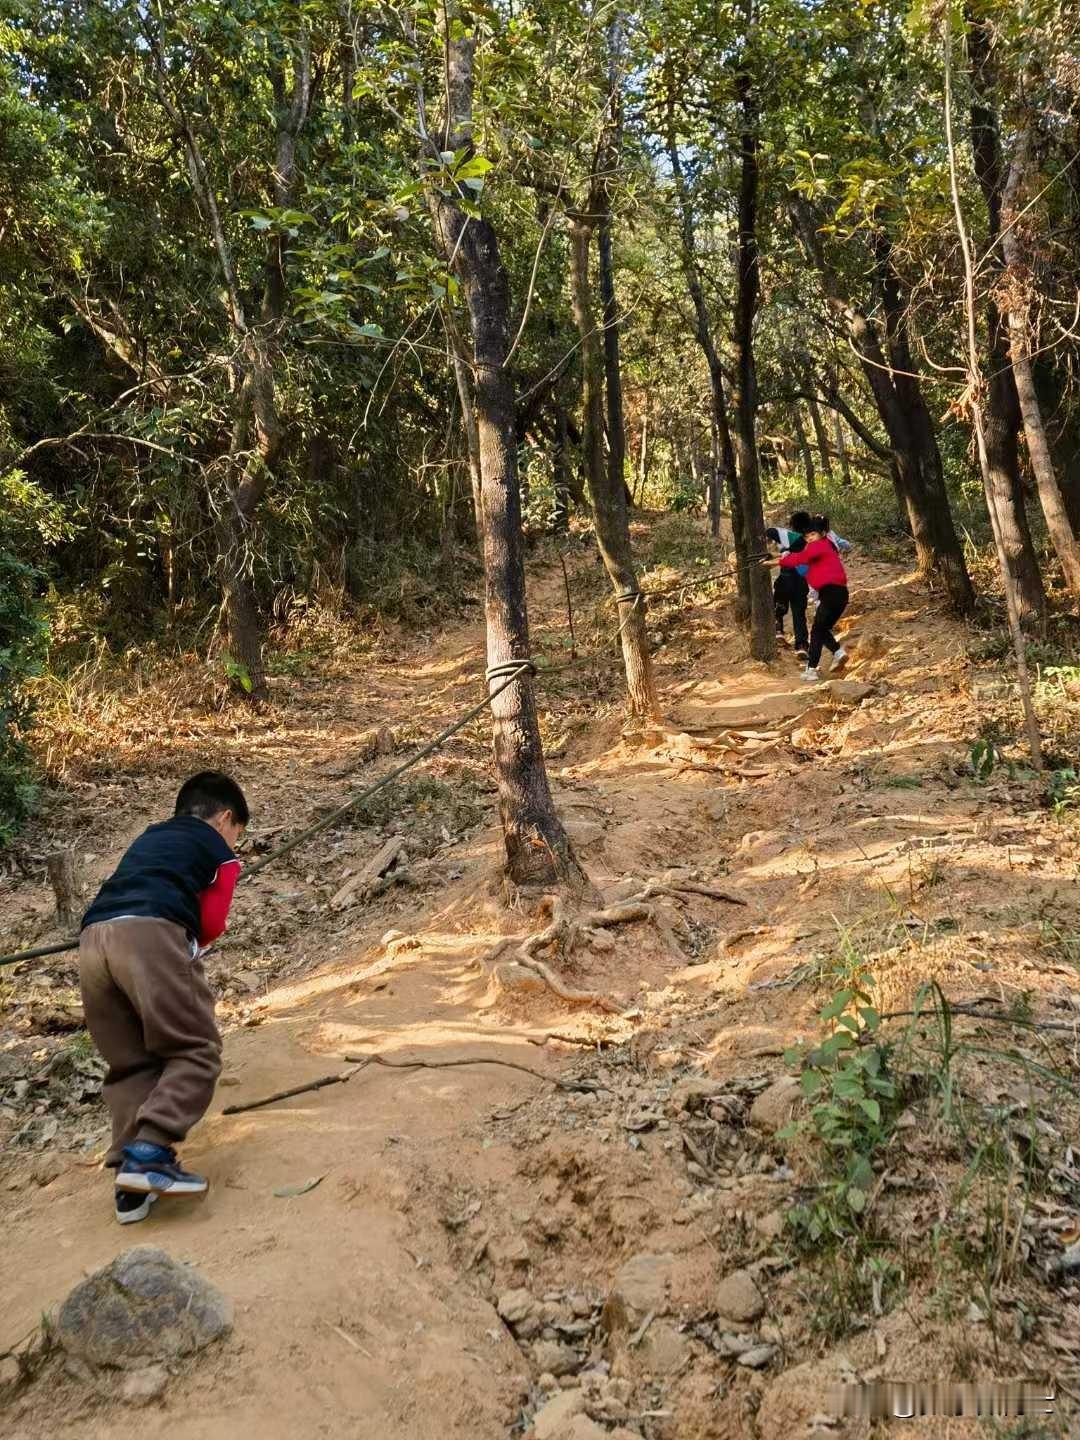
564, 932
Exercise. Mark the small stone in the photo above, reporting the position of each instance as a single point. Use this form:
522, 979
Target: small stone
738, 1298
775, 1106
581, 1305
516, 1305
849, 692
47, 1168
757, 1358
556, 1359
141, 1386
142, 1307
641, 1285
512, 1254
665, 1349
730, 1345
551, 1420
602, 942
770, 1225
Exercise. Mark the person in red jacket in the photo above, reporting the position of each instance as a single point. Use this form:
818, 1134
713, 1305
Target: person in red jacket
826, 575
148, 1006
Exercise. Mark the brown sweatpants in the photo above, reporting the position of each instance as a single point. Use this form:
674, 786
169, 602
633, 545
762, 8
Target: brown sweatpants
151, 1014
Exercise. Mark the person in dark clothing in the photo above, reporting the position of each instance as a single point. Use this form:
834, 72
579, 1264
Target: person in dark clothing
790, 590
148, 1006
826, 575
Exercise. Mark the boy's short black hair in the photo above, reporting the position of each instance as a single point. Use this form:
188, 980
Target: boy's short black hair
800, 521
208, 794
820, 523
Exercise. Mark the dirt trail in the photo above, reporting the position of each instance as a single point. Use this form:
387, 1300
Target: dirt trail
365, 1305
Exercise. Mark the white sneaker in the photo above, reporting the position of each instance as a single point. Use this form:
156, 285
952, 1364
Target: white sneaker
840, 659
810, 676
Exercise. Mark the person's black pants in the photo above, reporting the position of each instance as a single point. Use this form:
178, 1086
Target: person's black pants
790, 592
832, 602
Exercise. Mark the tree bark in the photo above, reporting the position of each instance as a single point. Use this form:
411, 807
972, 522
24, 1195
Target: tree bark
1002, 406
821, 439
805, 452
744, 395
608, 491
1062, 535
538, 850
702, 327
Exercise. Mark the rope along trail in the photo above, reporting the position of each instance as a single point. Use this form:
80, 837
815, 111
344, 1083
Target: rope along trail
506, 673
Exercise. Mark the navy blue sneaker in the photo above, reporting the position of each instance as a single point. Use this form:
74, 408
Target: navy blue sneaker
154, 1169
132, 1207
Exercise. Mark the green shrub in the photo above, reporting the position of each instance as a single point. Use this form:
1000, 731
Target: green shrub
29, 522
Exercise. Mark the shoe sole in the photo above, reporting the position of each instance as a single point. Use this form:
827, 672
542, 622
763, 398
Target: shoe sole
132, 1217
838, 665
137, 1184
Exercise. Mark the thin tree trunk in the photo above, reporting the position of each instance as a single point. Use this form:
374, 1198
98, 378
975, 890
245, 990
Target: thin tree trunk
1062, 535
560, 469
643, 457
538, 851
744, 397
703, 335
1001, 416
821, 439
842, 451
804, 451
1012, 598
608, 491
716, 480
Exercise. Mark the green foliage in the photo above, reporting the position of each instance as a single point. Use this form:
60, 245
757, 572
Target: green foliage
848, 1083
29, 523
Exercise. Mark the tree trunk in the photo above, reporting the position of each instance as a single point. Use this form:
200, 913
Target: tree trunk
560, 468
821, 439
538, 851
64, 877
716, 481
1062, 535
643, 457
606, 489
703, 335
466, 400
744, 397
804, 451
1002, 406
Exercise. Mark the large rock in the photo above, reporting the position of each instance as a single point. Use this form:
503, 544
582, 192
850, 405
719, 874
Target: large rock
775, 1106
141, 1308
739, 1299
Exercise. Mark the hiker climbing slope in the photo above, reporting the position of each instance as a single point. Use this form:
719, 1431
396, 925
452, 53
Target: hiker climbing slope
826, 575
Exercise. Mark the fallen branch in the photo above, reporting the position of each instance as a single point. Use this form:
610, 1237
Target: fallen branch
361, 1062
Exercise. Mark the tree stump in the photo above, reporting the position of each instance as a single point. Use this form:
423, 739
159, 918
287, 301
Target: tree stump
66, 882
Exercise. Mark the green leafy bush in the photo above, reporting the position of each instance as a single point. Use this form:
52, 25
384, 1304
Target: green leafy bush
29, 522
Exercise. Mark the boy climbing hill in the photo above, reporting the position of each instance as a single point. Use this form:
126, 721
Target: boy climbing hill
148, 1006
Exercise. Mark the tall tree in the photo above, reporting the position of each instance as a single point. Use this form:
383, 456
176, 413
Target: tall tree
744, 390
538, 850
1002, 410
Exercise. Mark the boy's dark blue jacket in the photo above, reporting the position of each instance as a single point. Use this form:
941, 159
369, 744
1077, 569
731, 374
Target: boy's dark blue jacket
163, 873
